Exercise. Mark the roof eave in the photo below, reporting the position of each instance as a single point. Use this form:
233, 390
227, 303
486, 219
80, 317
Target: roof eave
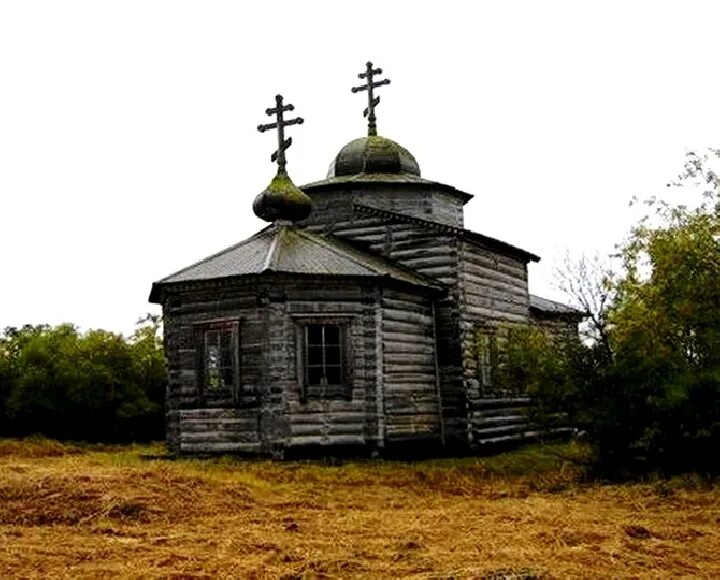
160, 289
575, 316
501, 246
335, 182
156, 293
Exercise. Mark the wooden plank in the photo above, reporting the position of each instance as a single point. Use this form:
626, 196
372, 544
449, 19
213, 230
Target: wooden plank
299, 418
409, 352
327, 440
210, 437
394, 317
503, 402
495, 431
221, 447
406, 338
500, 420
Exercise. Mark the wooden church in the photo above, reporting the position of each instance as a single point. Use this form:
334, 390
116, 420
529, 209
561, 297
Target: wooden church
364, 315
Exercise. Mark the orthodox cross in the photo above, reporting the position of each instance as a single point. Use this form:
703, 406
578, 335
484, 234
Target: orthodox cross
280, 125
373, 101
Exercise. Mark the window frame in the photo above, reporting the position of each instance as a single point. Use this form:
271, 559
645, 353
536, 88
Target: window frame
486, 358
342, 390
201, 331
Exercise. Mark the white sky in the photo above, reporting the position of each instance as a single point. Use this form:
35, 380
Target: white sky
128, 142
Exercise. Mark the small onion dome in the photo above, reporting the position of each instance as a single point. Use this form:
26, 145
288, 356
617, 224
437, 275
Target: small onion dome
282, 200
373, 154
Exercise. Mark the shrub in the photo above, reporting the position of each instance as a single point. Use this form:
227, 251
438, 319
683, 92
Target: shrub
95, 385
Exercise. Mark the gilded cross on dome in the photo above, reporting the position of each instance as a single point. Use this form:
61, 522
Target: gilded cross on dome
280, 124
373, 101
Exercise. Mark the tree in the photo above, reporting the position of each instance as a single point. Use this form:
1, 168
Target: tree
701, 169
589, 283
647, 390
96, 385
666, 326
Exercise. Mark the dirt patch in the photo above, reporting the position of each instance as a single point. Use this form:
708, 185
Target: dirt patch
638, 532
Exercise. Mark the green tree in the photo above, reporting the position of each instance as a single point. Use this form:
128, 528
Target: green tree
666, 328
95, 385
647, 389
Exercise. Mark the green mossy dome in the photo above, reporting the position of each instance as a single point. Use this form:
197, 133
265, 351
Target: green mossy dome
373, 154
282, 200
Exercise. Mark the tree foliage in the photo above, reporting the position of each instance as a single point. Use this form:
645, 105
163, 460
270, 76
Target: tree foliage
647, 389
96, 385
666, 329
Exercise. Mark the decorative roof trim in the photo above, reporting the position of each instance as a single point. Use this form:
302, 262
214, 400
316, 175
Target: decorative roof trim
463, 233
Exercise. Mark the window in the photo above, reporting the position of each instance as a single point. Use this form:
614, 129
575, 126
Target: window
486, 358
218, 359
219, 367
324, 359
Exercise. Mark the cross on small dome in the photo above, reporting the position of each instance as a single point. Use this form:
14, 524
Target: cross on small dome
282, 200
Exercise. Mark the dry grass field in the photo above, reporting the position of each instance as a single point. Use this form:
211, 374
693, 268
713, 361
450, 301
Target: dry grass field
83, 512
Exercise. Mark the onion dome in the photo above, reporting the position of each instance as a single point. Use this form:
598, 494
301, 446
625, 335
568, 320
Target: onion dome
373, 154
282, 201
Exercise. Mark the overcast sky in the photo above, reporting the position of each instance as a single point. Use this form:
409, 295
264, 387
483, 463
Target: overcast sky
129, 149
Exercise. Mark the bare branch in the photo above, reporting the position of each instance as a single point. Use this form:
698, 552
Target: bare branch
587, 282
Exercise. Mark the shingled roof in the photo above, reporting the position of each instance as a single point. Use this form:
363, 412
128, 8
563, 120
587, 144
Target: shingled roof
287, 249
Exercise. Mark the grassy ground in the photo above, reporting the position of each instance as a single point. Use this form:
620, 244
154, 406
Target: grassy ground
70, 511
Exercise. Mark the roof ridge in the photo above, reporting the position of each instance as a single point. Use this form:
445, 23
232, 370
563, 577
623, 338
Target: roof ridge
468, 234
273, 255
324, 243
220, 253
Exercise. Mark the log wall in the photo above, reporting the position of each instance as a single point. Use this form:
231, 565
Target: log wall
182, 315
411, 390
435, 255
347, 420
385, 399
218, 430
500, 420
485, 288
427, 203
493, 294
